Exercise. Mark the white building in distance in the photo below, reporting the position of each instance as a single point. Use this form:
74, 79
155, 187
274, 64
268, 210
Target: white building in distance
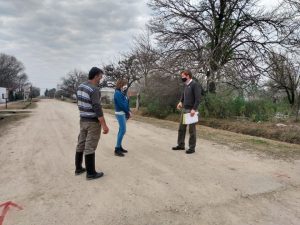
3, 95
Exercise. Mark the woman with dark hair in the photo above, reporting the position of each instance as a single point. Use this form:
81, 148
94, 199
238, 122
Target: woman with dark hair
123, 113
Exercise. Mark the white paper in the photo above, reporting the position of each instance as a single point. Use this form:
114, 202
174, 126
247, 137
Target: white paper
188, 119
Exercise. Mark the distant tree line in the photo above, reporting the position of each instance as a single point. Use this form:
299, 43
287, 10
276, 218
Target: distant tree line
14, 78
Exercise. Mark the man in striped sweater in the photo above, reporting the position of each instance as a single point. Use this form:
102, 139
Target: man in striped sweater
91, 121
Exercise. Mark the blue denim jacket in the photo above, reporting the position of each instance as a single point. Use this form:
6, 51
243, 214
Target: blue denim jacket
121, 102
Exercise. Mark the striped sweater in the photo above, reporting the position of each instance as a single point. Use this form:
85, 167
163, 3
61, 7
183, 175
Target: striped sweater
88, 101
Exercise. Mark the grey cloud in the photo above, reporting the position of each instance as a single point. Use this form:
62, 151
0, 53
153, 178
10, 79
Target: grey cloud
57, 36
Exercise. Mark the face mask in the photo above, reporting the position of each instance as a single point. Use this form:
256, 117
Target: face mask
184, 79
124, 88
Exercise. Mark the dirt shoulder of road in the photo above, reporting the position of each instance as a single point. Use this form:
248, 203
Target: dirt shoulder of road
286, 131
236, 141
283, 130
8, 121
15, 113
18, 105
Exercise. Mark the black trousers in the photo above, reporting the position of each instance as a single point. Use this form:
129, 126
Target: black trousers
182, 133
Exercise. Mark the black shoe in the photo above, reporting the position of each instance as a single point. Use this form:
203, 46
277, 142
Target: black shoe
90, 168
123, 150
80, 171
190, 151
78, 163
178, 148
94, 176
118, 152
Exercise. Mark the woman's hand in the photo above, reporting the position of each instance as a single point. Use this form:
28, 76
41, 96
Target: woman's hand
129, 115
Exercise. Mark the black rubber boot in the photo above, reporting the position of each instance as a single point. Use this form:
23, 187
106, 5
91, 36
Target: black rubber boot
123, 150
118, 152
190, 151
178, 148
90, 168
78, 163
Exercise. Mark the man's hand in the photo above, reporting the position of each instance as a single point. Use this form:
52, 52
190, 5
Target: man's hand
193, 112
179, 106
105, 129
103, 124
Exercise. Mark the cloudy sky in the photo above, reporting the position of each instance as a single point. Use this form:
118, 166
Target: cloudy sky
52, 37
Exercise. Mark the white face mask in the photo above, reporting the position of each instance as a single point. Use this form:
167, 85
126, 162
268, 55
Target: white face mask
124, 88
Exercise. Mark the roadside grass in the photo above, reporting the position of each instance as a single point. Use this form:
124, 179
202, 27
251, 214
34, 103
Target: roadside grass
20, 105
235, 141
287, 132
14, 113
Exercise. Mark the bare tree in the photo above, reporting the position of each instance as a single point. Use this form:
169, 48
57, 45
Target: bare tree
214, 33
146, 55
51, 93
298, 107
11, 72
112, 73
22, 81
284, 72
294, 3
35, 92
240, 75
127, 68
71, 82
160, 100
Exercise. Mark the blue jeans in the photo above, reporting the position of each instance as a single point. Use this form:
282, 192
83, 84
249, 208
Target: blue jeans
122, 129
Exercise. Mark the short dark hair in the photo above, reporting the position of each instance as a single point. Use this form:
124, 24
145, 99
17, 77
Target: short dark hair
187, 73
95, 71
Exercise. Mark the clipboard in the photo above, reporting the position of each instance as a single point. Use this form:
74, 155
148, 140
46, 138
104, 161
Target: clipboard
188, 119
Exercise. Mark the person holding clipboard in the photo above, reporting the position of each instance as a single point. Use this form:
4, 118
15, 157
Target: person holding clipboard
189, 103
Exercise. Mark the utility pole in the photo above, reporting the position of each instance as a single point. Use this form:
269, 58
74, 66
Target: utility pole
30, 93
6, 97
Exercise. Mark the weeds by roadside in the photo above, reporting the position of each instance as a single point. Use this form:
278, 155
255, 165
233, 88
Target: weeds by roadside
235, 141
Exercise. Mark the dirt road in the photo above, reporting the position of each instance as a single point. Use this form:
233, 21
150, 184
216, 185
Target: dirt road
152, 185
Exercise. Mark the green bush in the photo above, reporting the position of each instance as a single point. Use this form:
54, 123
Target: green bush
19, 96
132, 101
226, 106
160, 102
157, 109
260, 110
221, 106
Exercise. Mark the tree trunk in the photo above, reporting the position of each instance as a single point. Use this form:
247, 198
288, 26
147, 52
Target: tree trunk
289, 97
137, 102
211, 84
298, 108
